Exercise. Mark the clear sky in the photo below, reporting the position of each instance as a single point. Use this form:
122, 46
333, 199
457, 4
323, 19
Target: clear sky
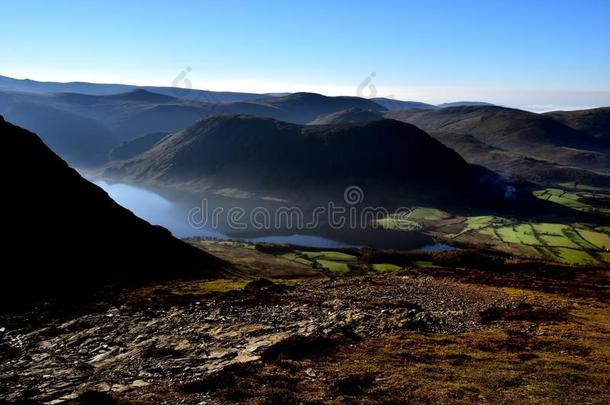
534, 54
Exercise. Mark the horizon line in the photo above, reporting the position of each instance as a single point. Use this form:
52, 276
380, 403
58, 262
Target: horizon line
535, 108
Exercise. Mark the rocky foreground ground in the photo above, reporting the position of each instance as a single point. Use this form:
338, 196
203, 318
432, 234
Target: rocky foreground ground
366, 339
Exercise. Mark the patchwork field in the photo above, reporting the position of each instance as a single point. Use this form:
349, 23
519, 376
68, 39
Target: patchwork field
587, 200
412, 220
570, 243
334, 262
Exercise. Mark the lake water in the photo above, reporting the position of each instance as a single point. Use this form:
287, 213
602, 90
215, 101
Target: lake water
156, 209
173, 213
437, 247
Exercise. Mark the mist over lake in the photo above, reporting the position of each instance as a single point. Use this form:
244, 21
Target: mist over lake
171, 210
173, 215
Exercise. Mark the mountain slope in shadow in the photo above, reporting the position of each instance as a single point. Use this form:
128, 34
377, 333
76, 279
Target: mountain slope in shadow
132, 148
516, 166
594, 122
349, 116
84, 128
303, 108
526, 133
79, 139
66, 238
270, 157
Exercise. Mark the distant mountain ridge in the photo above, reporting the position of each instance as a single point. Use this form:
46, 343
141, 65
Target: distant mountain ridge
516, 166
84, 128
88, 129
465, 104
349, 116
206, 96
103, 89
302, 108
393, 104
594, 122
535, 135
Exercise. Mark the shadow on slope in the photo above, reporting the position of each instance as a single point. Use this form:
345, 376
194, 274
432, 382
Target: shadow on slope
66, 239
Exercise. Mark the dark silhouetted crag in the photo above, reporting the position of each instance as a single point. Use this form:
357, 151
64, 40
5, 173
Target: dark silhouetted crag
65, 238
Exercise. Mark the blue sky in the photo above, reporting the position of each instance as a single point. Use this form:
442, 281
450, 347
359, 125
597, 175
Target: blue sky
530, 54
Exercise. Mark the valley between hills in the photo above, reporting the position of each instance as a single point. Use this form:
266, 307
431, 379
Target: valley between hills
492, 287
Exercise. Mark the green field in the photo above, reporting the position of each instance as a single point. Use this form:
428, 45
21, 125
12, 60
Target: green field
411, 221
521, 234
572, 256
558, 241
574, 235
336, 262
550, 229
481, 222
567, 243
329, 255
294, 257
398, 223
427, 214
605, 256
580, 243
573, 199
424, 264
385, 267
236, 243
599, 239
335, 267
561, 197
573, 243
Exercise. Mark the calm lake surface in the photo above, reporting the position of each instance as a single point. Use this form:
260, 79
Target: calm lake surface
173, 214
156, 209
